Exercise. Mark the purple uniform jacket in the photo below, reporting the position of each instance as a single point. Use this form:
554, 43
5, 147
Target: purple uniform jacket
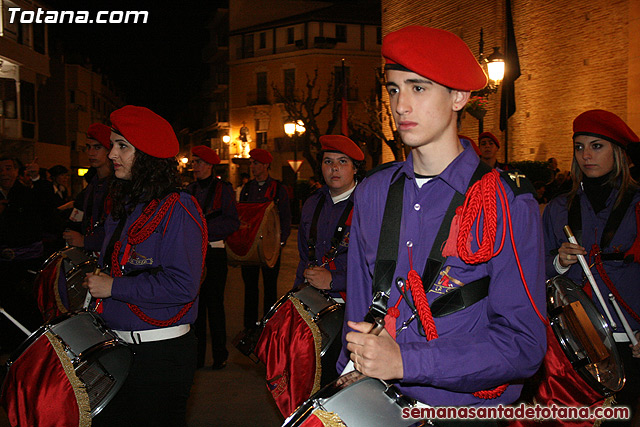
252, 192
625, 277
176, 247
327, 223
221, 220
93, 222
499, 339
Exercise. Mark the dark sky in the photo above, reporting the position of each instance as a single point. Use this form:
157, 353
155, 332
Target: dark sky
157, 64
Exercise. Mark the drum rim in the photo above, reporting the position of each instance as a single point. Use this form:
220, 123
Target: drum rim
561, 334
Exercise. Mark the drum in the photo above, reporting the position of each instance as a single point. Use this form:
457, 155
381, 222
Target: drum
358, 401
59, 281
324, 311
257, 241
99, 359
584, 336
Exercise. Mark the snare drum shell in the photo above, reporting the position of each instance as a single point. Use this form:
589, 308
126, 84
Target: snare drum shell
265, 246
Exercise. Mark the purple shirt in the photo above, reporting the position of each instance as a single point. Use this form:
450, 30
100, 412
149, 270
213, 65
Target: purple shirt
221, 220
499, 339
327, 223
176, 247
254, 192
625, 277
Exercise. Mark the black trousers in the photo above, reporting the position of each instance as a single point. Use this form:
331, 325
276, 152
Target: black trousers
630, 393
212, 302
251, 276
156, 391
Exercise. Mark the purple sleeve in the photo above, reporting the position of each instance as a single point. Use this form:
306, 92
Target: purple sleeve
93, 241
222, 225
554, 213
303, 234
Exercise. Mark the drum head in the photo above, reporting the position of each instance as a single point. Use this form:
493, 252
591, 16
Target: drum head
584, 335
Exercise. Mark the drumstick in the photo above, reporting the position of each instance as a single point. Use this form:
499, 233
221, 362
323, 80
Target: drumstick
87, 299
623, 319
587, 272
15, 322
377, 327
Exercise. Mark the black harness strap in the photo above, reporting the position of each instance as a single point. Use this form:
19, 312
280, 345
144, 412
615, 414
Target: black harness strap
610, 228
387, 254
108, 253
338, 234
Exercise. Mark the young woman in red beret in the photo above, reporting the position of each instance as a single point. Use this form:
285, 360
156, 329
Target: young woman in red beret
152, 258
602, 211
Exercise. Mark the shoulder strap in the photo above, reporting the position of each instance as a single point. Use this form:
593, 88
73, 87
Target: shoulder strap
615, 218
313, 230
575, 218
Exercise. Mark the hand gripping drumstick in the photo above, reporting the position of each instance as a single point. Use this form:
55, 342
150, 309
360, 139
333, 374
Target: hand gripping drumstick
15, 322
592, 281
87, 299
377, 327
623, 319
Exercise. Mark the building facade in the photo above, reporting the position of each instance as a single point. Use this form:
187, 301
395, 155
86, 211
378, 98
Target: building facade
574, 56
282, 55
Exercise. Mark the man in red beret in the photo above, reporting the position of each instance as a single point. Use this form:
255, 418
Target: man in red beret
463, 350
489, 146
263, 188
217, 201
89, 207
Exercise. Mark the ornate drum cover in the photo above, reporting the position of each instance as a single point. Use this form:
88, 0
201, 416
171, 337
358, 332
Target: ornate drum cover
257, 241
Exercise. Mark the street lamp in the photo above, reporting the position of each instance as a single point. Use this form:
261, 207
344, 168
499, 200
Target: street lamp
226, 139
293, 129
495, 66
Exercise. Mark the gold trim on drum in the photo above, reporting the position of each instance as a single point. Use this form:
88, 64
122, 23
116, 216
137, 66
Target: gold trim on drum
328, 419
317, 340
79, 388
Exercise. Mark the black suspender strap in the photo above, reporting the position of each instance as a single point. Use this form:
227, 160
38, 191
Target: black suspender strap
338, 234
387, 254
610, 228
313, 231
436, 261
108, 253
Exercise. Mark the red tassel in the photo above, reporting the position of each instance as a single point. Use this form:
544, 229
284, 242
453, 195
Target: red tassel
451, 245
390, 321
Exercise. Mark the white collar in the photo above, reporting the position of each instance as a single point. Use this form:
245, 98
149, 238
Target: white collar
344, 196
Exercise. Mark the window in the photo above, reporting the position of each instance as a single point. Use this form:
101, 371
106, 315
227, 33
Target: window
290, 35
38, 38
8, 98
263, 40
342, 82
261, 86
261, 140
341, 33
28, 109
289, 82
379, 35
247, 46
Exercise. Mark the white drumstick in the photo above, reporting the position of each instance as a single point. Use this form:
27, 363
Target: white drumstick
15, 322
623, 319
592, 281
87, 299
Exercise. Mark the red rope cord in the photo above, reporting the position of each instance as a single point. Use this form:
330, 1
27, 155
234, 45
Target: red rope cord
139, 231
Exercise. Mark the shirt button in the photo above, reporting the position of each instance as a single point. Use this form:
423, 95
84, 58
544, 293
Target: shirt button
416, 206
409, 244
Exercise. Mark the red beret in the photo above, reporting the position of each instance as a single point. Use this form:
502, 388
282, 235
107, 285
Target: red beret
206, 154
101, 133
472, 142
260, 155
490, 136
146, 131
605, 125
436, 54
342, 144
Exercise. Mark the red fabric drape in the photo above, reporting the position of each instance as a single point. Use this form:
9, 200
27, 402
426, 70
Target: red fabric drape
46, 286
250, 215
563, 386
38, 392
287, 348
